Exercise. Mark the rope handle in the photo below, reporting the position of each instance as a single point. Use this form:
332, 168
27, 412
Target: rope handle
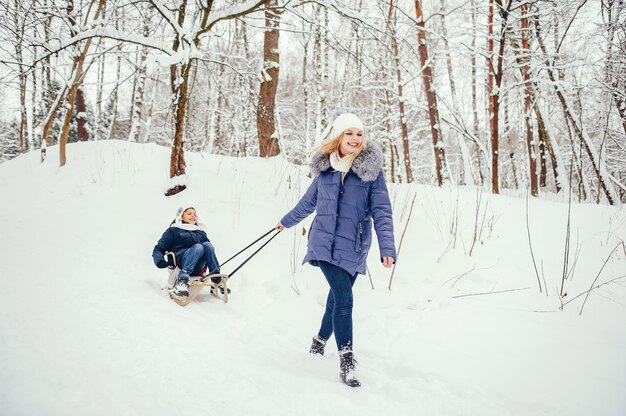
253, 254
247, 247
241, 251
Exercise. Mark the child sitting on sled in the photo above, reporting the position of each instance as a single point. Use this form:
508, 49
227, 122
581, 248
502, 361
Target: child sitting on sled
193, 252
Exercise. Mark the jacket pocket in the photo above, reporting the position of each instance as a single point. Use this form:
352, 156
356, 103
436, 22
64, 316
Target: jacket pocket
359, 238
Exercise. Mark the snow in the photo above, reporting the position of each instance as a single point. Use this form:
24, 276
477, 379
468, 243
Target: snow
92, 333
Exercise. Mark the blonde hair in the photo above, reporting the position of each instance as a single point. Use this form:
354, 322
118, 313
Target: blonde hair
329, 146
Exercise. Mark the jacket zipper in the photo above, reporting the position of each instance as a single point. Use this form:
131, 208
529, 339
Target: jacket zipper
360, 237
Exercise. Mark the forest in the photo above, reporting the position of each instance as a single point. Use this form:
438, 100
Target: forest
508, 95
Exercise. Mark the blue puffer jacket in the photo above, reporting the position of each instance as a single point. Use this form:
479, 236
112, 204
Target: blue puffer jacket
176, 240
341, 232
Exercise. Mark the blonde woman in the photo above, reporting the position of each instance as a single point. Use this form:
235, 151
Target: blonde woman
347, 193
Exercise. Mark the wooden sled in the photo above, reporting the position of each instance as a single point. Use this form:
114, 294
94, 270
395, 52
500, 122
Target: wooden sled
196, 283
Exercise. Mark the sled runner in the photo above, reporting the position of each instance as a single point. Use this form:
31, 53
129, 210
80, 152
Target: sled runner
216, 282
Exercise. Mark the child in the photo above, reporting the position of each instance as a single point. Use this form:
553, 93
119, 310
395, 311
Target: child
187, 239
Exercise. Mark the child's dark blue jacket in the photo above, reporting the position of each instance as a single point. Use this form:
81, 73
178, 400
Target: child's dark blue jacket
176, 239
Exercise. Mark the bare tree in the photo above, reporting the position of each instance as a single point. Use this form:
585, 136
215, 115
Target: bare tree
200, 23
77, 76
541, 92
600, 170
496, 71
404, 131
431, 97
18, 14
266, 118
614, 15
467, 174
528, 99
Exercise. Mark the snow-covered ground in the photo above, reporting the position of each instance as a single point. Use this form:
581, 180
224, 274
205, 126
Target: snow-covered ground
85, 328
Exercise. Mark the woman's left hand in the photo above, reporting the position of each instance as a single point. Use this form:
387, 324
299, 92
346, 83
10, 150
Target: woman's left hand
387, 261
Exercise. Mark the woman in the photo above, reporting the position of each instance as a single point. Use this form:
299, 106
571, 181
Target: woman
348, 191
186, 238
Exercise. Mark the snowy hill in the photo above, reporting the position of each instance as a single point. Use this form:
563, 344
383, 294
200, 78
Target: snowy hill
86, 329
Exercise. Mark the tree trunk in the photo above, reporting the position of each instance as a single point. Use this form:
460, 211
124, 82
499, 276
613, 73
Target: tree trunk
528, 98
248, 119
97, 125
113, 104
138, 98
404, 131
431, 98
494, 84
23, 115
467, 174
476, 129
266, 118
75, 83
493, 113
393, 149
615, 67
176, 44
19, 24
320, 54
544, 128
324, 63
46, 73
305, 98
620, 104
544, 134
512, 146
177, 159
81, 116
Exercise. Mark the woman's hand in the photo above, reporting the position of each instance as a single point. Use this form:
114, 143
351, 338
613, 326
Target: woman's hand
279, 226
387, 261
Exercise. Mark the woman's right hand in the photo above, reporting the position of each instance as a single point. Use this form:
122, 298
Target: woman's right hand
279, 226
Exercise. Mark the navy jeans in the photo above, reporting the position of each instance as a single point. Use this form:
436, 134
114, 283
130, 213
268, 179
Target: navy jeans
196, 257
338, 314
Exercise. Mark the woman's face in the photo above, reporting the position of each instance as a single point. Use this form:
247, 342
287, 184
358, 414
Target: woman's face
351, 142
189, 216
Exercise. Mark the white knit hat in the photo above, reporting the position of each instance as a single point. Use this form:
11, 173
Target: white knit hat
344, 122
340, 124
180, 211
179, 216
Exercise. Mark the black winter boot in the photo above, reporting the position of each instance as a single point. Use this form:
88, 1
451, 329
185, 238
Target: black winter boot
181, 287
347, 365
317, 347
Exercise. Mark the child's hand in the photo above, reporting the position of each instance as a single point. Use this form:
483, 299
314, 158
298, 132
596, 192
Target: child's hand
279, 226
388, 261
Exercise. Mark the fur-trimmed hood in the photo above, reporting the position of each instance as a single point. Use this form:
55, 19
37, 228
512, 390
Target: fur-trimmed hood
366, 165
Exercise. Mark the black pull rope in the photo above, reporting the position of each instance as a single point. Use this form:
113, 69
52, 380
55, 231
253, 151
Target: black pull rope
247, 247
253, 254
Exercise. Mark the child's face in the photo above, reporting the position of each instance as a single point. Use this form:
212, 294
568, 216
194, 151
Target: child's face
189, 216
